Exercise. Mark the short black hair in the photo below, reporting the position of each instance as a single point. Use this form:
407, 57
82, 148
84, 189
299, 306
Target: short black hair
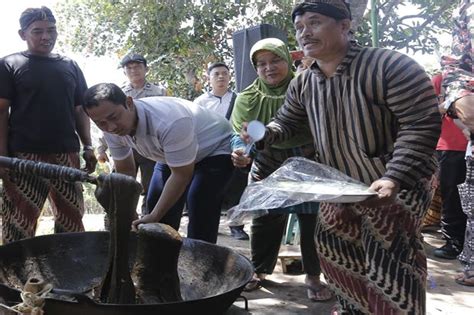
103, 92
216, 65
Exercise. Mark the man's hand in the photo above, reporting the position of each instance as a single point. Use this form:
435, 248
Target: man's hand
90, 159
173, 189
102, 157
386, 190
239, 159
149, 218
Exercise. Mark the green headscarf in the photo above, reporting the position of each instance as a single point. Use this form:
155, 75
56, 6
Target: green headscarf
261, 101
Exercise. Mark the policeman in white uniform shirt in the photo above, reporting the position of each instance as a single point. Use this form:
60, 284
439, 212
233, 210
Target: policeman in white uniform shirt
135, 68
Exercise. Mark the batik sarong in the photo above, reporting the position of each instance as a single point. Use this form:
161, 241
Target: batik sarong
24, 196
466, 192
373, 258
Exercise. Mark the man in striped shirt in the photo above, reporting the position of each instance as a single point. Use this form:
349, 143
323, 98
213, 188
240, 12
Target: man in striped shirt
373, 115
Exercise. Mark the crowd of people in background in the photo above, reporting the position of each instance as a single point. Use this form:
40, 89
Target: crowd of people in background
371, 113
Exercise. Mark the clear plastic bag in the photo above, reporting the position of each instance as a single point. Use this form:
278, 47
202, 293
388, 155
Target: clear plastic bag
297, 181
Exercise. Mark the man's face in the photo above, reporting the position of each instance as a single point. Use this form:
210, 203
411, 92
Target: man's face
219, 78
135, 71
40, 37
320, 36
114, 118
271, 68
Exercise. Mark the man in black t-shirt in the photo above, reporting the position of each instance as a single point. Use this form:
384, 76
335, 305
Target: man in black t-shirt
41, 119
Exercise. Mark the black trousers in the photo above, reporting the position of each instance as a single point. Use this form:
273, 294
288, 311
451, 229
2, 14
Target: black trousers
203, 196
452, 166
146, 167
266, 234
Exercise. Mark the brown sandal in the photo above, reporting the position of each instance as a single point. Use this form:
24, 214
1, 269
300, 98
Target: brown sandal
466, 278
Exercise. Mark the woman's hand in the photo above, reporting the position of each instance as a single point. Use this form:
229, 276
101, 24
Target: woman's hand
239, 159
243, 133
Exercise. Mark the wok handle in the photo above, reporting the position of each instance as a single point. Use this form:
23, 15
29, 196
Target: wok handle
46, 170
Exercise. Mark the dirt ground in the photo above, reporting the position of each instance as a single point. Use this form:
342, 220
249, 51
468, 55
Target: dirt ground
285, 293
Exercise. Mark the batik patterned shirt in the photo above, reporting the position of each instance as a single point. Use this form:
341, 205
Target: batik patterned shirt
377, 116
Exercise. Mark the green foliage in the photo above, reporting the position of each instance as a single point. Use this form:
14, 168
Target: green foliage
417, 31
181, 37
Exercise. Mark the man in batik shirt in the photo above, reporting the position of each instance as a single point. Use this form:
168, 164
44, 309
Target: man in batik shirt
373, 115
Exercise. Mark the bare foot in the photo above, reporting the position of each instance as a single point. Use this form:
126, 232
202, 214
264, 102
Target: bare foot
316, 290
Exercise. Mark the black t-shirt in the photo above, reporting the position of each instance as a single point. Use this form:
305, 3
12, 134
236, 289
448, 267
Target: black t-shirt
43, 92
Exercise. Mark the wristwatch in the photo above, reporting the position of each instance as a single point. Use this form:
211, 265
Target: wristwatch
88, 148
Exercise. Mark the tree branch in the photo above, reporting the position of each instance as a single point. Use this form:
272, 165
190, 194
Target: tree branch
429, 20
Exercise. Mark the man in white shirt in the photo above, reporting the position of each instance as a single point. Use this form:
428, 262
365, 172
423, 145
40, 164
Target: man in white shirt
192, 141
135, 68
220, 99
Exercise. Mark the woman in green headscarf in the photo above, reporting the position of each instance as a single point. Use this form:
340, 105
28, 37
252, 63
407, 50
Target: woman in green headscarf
260, 101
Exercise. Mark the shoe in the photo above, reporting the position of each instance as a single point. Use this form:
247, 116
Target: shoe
238, 232
450, 250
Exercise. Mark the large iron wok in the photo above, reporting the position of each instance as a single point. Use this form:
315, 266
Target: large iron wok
211, 276
208, 277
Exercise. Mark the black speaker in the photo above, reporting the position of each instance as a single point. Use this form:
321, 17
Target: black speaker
243, 40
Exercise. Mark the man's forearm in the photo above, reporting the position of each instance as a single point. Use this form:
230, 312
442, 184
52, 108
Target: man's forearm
126, 166
83, 126
175, 186
4, 130
102, 148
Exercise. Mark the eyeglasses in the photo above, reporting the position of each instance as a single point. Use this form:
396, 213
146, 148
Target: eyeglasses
271, 63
